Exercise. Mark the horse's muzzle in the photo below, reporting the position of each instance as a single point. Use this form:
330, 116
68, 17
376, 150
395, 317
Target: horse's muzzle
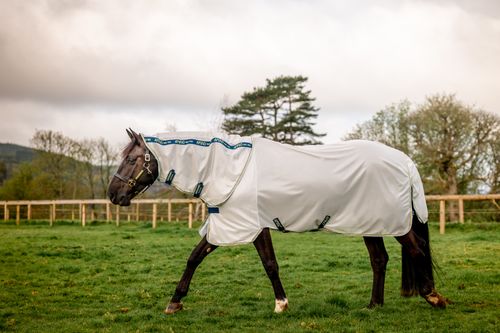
119, 199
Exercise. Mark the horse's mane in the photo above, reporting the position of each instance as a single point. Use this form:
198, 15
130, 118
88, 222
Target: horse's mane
128, 148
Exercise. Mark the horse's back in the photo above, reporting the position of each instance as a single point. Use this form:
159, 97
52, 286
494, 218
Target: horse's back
362, 187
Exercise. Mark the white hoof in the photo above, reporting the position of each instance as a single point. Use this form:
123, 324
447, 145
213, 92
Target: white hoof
281, 305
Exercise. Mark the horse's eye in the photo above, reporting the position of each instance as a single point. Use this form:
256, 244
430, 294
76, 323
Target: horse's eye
131, 160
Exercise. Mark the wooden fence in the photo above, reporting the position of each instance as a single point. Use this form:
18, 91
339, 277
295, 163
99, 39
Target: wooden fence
155, 210
103, 209
460, 199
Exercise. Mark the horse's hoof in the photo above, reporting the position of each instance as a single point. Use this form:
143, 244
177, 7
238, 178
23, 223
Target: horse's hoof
173, 308
281, 305
437, 300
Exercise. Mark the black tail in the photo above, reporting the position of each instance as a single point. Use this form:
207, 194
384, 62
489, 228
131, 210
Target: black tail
417, 270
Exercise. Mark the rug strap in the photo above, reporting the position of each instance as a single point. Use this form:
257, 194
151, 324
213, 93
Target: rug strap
170, 177
198, 189
279, 225
324, 222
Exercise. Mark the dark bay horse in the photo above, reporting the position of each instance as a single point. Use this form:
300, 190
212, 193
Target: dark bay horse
139, 169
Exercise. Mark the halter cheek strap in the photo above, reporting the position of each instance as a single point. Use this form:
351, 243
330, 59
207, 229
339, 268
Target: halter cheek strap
132, 181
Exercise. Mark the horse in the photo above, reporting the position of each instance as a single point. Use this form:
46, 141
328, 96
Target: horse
142, 165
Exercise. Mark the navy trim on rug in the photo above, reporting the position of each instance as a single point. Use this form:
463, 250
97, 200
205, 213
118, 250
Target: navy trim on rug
152, 139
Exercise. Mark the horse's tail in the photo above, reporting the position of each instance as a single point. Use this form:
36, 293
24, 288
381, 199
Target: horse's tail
417, 270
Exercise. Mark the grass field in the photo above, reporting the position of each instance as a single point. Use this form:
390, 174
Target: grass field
102, 278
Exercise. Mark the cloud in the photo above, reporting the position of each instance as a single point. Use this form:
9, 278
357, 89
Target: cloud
119, 58
22, 119
486, 8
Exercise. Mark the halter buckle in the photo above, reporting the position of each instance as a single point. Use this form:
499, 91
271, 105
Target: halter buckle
131, 182
147, 157
146, 167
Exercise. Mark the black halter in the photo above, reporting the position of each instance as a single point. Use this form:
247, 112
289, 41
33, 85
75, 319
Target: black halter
132, 181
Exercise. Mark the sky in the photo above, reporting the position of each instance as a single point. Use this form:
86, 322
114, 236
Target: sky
90, 69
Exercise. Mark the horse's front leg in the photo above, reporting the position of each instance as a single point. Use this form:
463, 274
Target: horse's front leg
264, 246
378, 260
199, 253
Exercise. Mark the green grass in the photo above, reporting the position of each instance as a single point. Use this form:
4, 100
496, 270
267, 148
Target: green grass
107, 279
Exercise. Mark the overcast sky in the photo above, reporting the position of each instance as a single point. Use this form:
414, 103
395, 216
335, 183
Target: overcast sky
92, 68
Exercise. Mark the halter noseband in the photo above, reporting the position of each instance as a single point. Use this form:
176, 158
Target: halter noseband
132, 181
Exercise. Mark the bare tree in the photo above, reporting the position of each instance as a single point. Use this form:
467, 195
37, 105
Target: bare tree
85, 154
106, 158
54, 152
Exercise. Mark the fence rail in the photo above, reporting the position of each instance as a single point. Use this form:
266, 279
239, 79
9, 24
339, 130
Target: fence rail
83, 210
169, 209
460, 199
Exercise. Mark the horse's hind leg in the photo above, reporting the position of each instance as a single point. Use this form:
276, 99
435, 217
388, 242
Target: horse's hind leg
417, 277
199, 253
264, 246
378, 260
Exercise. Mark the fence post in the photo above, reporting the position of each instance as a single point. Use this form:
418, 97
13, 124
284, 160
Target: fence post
169, 211
29, 212
190, 218
442, 216
154, 216
137, 212
51, 215
117, 215
461, 210
203, 208
83, 215
5, 212
108, 212
18, 213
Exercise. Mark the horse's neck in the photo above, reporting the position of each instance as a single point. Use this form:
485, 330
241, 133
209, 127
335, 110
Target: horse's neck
188, 163
213, 163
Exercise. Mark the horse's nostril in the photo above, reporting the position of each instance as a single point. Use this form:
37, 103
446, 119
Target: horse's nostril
122, 200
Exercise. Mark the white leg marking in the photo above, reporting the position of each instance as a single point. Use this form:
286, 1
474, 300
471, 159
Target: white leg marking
281, 305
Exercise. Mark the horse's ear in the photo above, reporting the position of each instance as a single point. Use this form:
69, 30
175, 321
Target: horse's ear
130, 134
135, 137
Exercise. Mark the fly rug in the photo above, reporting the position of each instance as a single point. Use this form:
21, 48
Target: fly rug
251, 185
254, 183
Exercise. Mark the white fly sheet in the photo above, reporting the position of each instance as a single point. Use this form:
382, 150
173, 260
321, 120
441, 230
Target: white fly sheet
249, 183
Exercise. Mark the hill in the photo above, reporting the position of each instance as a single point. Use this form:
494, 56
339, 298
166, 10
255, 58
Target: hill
11, 155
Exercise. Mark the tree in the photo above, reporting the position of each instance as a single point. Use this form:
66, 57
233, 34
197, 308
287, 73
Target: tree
78, 168
18, 186
63, 168
3, 172
281, 111
450, 142
85, 153
454, 145
106, 158
494, 150
55, 157
389, 126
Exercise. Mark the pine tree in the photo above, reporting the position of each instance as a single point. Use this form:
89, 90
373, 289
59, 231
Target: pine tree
281, 111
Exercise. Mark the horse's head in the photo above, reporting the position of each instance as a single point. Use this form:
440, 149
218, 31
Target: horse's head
137, 171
